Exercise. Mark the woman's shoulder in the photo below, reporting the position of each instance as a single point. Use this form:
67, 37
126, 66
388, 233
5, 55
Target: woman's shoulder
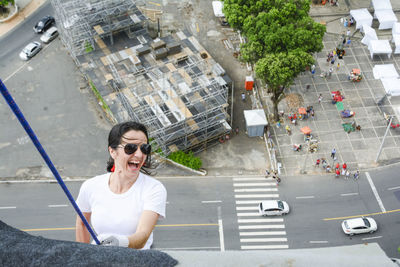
97, 180
149, 181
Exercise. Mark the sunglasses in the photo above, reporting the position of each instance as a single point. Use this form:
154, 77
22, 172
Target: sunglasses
131, 148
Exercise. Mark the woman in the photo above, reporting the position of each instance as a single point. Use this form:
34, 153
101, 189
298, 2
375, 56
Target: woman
124, 204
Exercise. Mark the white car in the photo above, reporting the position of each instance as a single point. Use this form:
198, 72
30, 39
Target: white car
273, 207
49, 35
30, 50
359, 226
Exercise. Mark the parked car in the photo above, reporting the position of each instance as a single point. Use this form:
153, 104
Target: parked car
43, 24
30, 50
273, 207
359, 226
49, 35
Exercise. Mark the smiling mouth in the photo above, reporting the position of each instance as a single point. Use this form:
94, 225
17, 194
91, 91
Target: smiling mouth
133, 165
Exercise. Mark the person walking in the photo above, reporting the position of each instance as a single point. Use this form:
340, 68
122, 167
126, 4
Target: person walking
317, 163
337, 173
331, 70
333, 153
320, 98
347, 175
356, 175
312, 70
344, 166
243, 97
267, 173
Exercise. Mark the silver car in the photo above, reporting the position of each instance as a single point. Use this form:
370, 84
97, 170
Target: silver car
30, 50
49, 35
359, 226
273, 207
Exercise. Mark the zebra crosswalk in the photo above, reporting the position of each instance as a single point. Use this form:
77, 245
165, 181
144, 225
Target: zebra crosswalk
257, 232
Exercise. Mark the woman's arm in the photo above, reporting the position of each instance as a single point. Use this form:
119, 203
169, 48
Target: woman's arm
81, 233
147, 222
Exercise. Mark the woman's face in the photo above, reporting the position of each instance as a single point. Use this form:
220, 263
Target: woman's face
129, 165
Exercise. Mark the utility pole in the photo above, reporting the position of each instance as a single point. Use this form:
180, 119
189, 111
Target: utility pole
383, 141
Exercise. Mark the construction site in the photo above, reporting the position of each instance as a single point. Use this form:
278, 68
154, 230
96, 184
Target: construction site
169, 83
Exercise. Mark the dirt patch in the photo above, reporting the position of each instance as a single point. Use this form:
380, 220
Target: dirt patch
294, 102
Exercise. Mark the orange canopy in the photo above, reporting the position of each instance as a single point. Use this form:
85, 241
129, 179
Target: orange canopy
356, 71
302, 111
305, 130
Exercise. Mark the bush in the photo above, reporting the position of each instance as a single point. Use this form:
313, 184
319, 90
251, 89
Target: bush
186, 159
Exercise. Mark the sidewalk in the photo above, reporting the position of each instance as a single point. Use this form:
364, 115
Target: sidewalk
23, 13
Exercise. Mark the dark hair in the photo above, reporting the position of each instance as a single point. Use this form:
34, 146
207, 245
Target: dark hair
114, 140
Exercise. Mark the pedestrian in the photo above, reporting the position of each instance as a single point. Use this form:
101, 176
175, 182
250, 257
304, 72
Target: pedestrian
324, 163
346, 23
124, 204
328, 168
338, 66
337, 173
237, 130
267, 173
337, 167
348, 33
317, 163
243, 96
278, 124
356, 175
348, 42
320, 98
347, 174
343, 172
330, 70
344, 166
312, 70
333, 153
312, 113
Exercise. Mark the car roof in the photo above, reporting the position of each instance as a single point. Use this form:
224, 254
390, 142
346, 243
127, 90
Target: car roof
356, 222
31, 45
269, 204
52, 29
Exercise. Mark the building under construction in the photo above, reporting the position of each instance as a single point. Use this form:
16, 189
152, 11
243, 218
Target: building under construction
171, 84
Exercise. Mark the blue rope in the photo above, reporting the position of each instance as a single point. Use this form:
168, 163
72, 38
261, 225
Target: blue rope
10, 101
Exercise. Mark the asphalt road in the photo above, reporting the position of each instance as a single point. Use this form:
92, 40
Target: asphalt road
198, 207
64, 115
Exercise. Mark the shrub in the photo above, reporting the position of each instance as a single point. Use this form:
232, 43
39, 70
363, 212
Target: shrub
186, 159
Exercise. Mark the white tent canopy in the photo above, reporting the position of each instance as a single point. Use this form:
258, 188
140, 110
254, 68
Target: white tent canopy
255, 122
381, 5
396, 40
392, 86
369, 34
217, 7
380, 47
361, 17
396, 28
385, 71
386, 19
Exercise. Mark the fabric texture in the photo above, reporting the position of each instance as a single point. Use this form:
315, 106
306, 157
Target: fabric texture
120, 213
18, 248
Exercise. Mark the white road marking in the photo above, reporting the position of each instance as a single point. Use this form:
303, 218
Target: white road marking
221, 231
211, 201
268, 226
58, 206
375, 192
265, 247
251, 214
12, 74
349, 194
255, 240
260, 220
244, 190
247, 208
374, 237
394, 188
250, 179
318, 242
187, 248
262, 233
6, 208
241, 202
256, 196
305, 197
253, 184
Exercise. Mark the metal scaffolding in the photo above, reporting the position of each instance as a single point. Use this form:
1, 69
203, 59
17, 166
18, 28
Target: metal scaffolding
171, 84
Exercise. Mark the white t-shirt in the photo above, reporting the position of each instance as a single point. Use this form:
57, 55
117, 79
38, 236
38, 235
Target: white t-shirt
120, 213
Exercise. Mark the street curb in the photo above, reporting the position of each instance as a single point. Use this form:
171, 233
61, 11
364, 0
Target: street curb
12, 16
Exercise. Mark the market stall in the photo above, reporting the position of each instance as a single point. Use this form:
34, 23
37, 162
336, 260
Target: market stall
381, 5
369, 34
386, 19
392, 86
396, 29
396, 41
380, 47
361, 17
384, 71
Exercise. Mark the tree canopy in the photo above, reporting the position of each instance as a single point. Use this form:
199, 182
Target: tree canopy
281, 38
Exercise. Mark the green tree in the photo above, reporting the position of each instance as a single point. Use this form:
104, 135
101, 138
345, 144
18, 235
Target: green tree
4, 4
278, 71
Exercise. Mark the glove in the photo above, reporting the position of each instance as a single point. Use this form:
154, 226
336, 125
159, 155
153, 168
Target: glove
113, 240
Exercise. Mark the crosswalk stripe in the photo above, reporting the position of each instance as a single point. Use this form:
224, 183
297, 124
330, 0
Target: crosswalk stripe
247, 208
263, 220
250, 179
241, 202
243, 190
255, 240
253, 184
244, 214
262, 233
256, 196
264, 247
267, 226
